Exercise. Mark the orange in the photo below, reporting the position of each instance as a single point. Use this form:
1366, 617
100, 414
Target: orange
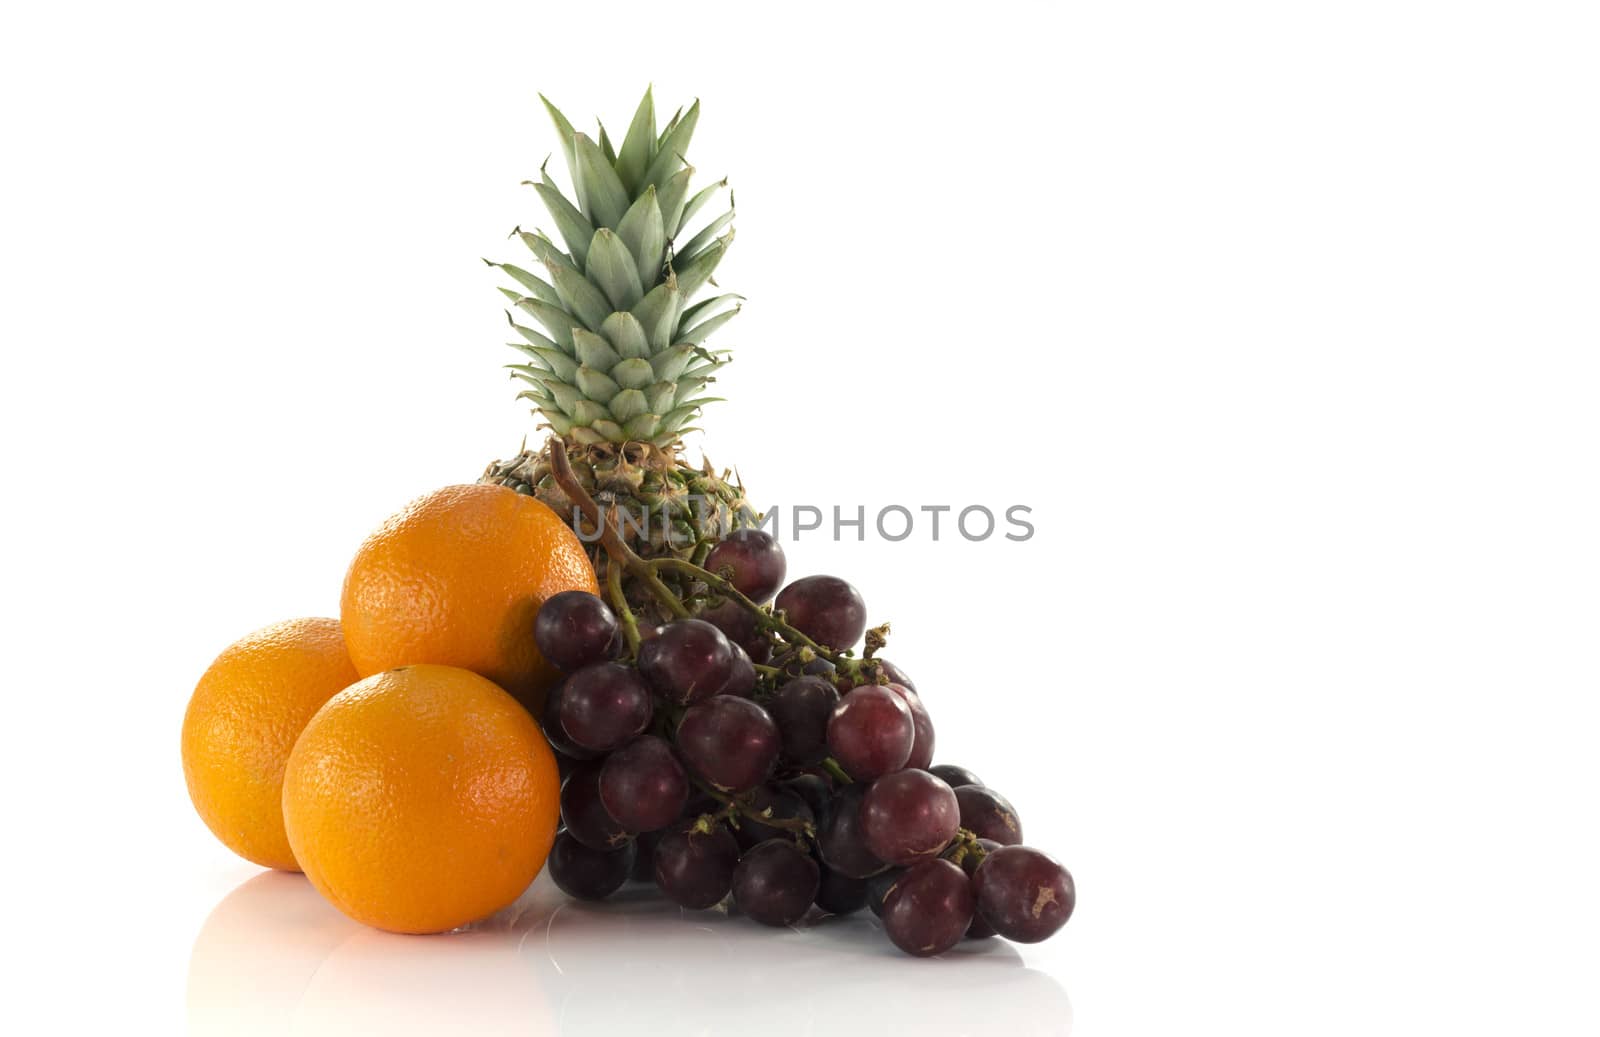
242, 720
457, 578
420, 799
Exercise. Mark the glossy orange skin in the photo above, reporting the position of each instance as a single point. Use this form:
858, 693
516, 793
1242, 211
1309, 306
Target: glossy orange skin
242, 721
421, 798
457, 578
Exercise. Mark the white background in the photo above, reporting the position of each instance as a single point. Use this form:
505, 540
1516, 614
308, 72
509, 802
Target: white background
1282, 317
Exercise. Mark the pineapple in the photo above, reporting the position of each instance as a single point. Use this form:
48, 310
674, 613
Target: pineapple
615, 356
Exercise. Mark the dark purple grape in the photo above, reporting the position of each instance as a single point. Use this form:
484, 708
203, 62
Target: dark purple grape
586, 873
739, 626
772, 802
928, 911
585, 815
989, 815
730, 742
695, 868
756, 560
574, 629
840, 839
742, 680
1024, 893
878, 887
896, 675
604, 706
565, 765
871, 732
840, 894
802, 708
776, 882
690, 661
954, 776
643, 785
909, 816
826, 609
815, 789
979, 929
921, 725
550, 722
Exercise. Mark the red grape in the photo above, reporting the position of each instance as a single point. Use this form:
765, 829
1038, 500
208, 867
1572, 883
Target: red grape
989, 815
896, 675
585, 815
908, 816
730, 742
574, 629
826, 609
928, 910
603, 706
840, 839
871, 732
954, 776
550, 723
921, 727
756, 560
775, 882
1025, 894
742, 679
690, 661
774, 803
840, 894
801, 708
586, 873
694, 868
643, 786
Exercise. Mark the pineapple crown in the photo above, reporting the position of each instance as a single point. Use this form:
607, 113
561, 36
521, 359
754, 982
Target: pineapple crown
622, 355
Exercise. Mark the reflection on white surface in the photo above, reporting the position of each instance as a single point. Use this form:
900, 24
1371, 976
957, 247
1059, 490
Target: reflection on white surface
273, 957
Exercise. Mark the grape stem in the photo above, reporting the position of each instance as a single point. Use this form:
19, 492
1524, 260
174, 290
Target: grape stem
734, 807
648, 572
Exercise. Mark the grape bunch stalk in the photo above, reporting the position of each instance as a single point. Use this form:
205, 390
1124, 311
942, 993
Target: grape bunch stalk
741, 749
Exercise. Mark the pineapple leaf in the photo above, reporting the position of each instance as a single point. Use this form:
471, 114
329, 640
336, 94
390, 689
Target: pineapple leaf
644, 232
566, 396
605, 147
566, 132
633, 373
557, 321
661, 396
674, 145
579, 296
698, 243
692, 206
596, 385
642, 426
555, 361
587, 412
670, 363
600, 193
699, 268
672, 124
571, 224
706, 328
672, 199
693, 314
592, 350
532, 282
629, 403
638, 146
532, 336
658, 313
607, 430
673, 420
559, 423
611, 266
626, 335
545, 249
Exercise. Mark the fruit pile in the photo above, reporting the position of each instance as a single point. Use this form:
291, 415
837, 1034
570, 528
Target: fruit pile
713, 730
805, 779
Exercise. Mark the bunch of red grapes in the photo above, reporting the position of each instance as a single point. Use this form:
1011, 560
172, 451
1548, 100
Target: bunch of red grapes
788, 786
